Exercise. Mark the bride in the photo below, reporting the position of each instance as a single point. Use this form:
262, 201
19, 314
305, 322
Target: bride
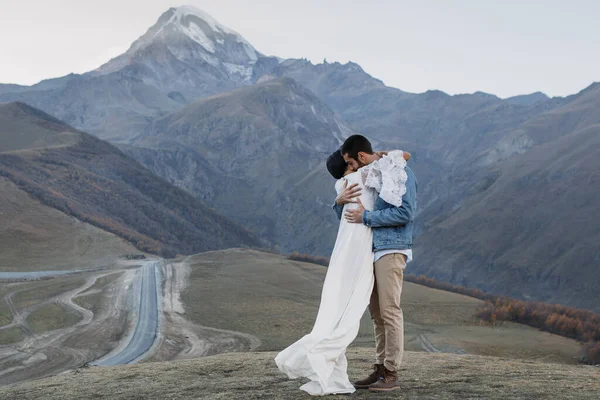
320, 356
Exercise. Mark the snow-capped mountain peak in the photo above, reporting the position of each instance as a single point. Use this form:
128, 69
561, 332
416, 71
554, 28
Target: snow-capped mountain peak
184, 11
192, 35
203, 29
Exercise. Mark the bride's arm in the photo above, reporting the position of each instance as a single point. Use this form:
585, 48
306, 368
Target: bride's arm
387, 176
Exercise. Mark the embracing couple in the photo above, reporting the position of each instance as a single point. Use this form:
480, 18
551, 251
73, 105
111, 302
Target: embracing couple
376, 205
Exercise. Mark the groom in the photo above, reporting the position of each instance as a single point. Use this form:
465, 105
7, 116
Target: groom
392, 246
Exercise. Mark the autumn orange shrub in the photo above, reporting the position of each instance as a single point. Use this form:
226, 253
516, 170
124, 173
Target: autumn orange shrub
570, 322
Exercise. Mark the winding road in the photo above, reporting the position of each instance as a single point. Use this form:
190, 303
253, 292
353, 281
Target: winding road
146, 328
145, 292
35, 275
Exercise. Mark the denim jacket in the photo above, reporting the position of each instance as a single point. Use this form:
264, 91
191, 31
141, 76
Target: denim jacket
392, 226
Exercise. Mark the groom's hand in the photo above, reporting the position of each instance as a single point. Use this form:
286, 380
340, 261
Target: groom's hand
348, 194
356, 216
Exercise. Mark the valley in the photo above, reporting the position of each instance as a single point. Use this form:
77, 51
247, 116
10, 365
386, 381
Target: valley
145, 207
66, 321
222, 121
258, 293
235, 300
147, 297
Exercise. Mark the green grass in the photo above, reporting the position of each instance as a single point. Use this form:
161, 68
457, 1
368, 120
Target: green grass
104, 281
254, 376
32, 293
50, 317
261, 294
35, 237
91, 302
10, 335
5, 314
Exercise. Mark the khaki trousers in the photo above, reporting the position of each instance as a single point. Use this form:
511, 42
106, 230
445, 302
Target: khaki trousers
386, 312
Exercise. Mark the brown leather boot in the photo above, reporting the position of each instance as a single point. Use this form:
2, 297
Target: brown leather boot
389, 381
371, 379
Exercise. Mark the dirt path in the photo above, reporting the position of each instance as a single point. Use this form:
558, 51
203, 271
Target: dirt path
108, 335
46, 348
180, 338
19, 319
50, 352
426, 344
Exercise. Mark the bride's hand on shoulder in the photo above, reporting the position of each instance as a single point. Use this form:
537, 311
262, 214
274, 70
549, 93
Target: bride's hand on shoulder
348, 194
405, 154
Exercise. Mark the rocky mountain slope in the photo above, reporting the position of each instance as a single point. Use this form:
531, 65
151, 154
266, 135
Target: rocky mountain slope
528, 227
434, 119
528, 99
257, 155
96, 183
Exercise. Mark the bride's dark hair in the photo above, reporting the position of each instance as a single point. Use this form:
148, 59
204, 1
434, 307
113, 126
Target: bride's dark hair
336, 165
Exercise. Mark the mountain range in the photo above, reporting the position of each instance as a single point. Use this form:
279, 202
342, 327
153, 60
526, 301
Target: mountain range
91, 180
506, 185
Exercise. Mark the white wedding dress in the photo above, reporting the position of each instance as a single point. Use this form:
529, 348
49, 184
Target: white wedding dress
320, 356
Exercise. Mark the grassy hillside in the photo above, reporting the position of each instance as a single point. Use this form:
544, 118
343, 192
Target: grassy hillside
277, 299
94, 182
20, 134
33, 307
37, 237
255, 376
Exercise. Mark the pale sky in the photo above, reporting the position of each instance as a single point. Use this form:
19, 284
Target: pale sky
506, 47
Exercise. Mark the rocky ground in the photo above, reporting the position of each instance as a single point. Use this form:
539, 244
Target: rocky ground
255, 376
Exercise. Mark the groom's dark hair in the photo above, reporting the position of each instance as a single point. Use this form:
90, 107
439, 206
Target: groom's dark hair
355, 144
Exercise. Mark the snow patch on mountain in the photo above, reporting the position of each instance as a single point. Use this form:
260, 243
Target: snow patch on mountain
195, 32
240, 70
217, 45
184, 11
